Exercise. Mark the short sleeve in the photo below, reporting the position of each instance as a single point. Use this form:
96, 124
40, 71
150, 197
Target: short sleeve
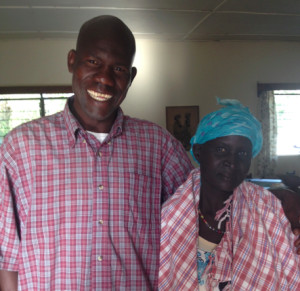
176, 166
9, 222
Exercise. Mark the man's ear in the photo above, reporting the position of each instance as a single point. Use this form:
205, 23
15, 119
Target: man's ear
197, 151
133, 73
71, 60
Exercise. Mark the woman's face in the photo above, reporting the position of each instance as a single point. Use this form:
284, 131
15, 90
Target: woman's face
224, 161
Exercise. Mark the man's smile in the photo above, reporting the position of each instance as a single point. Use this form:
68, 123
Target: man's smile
99, 96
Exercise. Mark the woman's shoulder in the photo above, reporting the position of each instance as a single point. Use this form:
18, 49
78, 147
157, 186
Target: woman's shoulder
258, 200
185, 196
255, 193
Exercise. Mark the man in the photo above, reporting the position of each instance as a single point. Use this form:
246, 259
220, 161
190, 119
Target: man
81, 190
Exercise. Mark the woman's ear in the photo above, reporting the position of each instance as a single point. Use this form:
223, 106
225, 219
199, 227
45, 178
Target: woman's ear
197, 151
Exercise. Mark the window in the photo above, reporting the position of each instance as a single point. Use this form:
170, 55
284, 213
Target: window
288, 121
18, 106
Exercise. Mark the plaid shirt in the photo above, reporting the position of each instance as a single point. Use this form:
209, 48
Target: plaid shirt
88, 214
255, 253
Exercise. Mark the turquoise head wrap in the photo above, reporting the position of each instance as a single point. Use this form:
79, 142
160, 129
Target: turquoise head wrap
233, 119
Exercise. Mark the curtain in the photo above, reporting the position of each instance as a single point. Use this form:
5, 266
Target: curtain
267, 159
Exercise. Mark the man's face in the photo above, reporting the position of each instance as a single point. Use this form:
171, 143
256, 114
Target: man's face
102, 75
224, 161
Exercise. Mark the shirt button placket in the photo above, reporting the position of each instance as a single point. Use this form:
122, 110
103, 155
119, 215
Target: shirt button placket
100, 221
101, 225
100, 258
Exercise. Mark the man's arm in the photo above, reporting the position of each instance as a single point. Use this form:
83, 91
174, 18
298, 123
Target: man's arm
8, 281
297, 241
176, 166
9, 239
290, 201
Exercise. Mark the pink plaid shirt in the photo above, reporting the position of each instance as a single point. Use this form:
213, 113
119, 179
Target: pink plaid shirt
255, 253
88, 214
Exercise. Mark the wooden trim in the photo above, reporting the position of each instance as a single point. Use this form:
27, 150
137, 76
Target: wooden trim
261, 87
36, 89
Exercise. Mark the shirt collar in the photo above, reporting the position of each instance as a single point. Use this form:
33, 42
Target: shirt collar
117, 127
74, 127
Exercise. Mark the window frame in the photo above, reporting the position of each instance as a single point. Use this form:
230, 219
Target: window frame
36, 89
262, 87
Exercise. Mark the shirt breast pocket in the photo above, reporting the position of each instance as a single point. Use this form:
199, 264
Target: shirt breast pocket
141, 206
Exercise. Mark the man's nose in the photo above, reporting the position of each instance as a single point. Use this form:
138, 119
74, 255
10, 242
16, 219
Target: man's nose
104, 76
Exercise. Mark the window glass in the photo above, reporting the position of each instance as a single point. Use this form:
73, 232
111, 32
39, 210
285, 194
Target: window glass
288, 121
55, 102
16, 109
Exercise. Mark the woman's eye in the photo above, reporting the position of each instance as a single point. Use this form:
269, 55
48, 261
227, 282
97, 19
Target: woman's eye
220, 150
243, 154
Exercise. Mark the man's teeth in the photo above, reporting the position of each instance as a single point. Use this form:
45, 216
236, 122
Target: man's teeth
99, 96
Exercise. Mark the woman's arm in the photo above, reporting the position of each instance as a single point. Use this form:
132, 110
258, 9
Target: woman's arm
8, 281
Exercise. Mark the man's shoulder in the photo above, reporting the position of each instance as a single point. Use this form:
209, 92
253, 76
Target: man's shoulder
35, 127
133, 124
139, 122
40, 122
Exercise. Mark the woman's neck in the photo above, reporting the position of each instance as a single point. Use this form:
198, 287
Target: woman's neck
212, 200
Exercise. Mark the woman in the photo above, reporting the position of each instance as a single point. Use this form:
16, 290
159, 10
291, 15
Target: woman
218, 231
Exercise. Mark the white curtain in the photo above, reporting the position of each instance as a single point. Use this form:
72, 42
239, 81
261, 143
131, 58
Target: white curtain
267, 159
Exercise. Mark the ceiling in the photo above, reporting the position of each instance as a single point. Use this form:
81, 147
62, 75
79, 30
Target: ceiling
178, 20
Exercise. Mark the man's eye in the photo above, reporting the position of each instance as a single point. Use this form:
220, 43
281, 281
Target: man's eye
93, 62
120, 69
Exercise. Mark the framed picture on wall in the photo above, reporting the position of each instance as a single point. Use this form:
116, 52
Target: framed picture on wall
182, 122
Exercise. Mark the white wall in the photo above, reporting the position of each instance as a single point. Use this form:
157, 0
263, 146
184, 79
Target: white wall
169, 73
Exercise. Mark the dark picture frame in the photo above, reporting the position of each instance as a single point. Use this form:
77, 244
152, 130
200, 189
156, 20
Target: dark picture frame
182, 122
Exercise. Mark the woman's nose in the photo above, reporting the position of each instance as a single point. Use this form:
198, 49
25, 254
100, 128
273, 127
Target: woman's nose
229, 161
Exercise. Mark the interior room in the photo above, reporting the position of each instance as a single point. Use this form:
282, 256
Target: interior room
188, 52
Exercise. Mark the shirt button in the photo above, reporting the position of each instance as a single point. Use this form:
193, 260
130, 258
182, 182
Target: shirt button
101, 187
100, 154
100, 258
101, 221
84, 141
